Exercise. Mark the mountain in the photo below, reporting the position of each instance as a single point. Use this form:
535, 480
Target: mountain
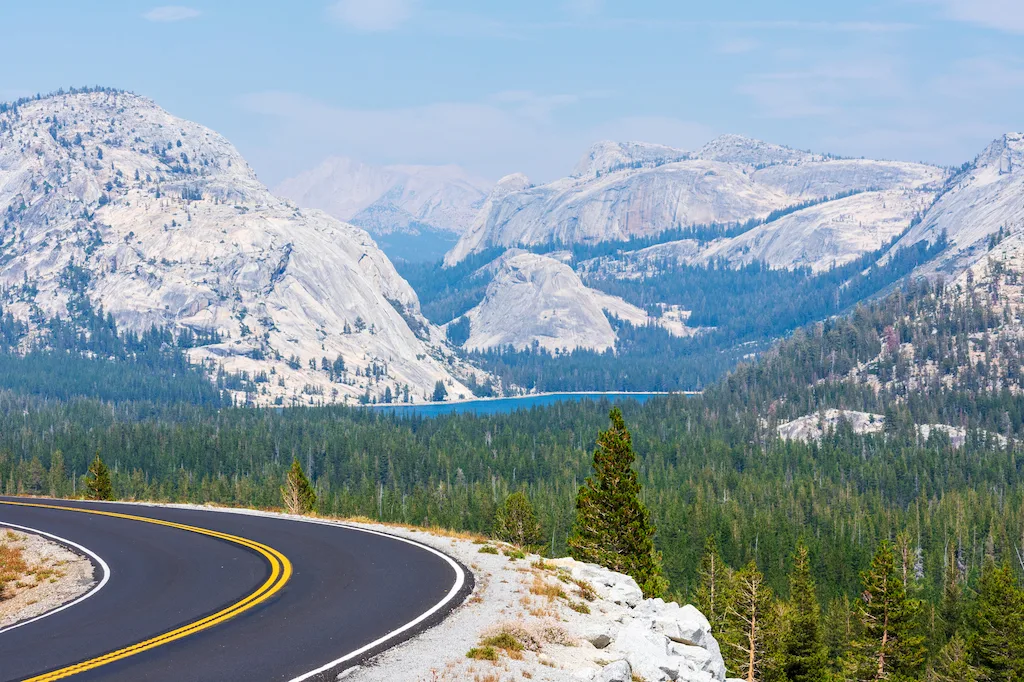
537, 299
980, 205
819, 237
626, 191
159, 221
417, 212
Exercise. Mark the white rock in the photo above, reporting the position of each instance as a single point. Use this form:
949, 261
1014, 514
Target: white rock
620, 191
619, 671
600, 634
701, 658
977, 202
197, 242
615, 587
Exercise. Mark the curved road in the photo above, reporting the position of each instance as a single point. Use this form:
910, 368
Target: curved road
238, 597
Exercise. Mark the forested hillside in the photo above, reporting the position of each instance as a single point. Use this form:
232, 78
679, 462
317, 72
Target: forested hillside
712, 466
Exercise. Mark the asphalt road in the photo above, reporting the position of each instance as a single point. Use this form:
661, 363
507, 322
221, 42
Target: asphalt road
347, 589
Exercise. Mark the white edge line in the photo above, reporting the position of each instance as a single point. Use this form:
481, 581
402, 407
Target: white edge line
460, 575
99, 586
460, 579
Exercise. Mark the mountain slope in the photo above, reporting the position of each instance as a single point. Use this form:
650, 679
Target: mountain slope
984, 198
406, 205
161, 222
623, 191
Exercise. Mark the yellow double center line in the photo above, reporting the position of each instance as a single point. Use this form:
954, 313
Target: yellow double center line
280, 572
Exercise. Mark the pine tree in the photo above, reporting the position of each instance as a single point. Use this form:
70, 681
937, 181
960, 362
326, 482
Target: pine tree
951, 607
298, 495
97, 481
613, 527
889, 645
57, 475
515, 521
998, 622
440, 392
713, 594
953, 663
750, 624
804, 655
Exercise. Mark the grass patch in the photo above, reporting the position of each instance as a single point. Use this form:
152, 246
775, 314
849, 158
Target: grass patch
488, 549
579, 606
483, 653
514, 554
503, 640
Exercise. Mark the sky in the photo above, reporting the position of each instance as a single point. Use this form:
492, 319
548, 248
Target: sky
528, 86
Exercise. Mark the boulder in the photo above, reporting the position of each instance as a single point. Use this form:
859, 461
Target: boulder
619, 671
612, 586
599, 634
700, 658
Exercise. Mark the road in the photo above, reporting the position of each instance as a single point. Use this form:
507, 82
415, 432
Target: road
220, 596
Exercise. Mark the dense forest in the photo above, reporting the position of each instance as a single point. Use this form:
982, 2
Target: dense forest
712, 466
742, 310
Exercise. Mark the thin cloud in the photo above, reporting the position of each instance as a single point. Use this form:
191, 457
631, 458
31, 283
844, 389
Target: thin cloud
372, 15
171, 13
1002, 15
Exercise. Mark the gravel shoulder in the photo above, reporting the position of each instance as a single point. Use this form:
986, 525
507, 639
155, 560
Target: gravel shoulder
42, 575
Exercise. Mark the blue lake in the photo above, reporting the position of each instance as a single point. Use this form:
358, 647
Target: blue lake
503, 405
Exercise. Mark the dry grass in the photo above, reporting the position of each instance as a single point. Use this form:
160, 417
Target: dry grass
13, 567
543, 588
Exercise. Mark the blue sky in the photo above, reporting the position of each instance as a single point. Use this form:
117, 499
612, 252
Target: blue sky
500, 87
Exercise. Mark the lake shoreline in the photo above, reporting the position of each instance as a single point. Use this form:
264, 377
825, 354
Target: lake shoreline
506, 404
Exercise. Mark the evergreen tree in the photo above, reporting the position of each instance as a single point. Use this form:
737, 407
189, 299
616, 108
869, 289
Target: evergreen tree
36, 477
515, 521
97, 481
951, 608
750, 625
804, 654
298, 495
998, 645
613, 527
953, 663
889, 645
713, 593
57, 475
839, 623
440, 392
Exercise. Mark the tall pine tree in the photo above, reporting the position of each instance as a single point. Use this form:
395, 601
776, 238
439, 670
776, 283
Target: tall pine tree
97, 482
998, 645
613, 527
713, 595
296, 493
804, 654
750, 625
889, 645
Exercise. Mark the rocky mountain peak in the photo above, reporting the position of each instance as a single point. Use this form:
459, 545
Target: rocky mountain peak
1004, 155
607, 156
167, 225
745, 150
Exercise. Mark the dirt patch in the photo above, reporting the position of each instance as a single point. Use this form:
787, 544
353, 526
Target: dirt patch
38, 575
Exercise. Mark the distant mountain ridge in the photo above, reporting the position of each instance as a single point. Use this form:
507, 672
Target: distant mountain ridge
620, 191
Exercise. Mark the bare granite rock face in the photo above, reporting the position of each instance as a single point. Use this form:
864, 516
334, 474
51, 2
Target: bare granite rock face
623, 190
536, 298
161, 222
983, 199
